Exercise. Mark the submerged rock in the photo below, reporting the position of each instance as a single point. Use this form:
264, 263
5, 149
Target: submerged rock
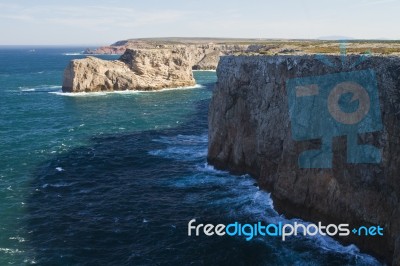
250, 131
147, 69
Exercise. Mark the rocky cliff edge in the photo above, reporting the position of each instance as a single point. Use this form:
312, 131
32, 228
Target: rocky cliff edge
250, 131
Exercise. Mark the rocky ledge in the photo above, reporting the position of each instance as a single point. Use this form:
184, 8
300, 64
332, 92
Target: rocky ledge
147, 69
250, 131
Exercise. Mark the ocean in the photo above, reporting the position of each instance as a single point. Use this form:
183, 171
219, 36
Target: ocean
114, 178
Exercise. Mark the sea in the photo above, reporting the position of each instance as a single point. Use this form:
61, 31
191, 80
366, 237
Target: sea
114, 178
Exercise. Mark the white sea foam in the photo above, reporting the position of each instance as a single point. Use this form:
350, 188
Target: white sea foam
183, 139
74, 53
18, 238
180, 153
10, 251
205, 167
204, 70
78, 94
58, 185
182, 147
59, 169
103, 93
40, 88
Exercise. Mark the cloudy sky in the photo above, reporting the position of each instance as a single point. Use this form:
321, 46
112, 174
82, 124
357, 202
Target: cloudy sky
106, 21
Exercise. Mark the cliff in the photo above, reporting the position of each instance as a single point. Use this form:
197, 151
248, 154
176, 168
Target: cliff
148, 69
258, 125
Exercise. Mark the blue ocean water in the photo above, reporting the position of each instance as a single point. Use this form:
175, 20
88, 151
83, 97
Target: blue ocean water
114, 178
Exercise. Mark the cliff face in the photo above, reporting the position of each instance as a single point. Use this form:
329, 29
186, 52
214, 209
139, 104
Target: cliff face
148, 69
250, 130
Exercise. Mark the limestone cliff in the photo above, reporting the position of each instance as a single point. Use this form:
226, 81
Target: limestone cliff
148, 69
250, 131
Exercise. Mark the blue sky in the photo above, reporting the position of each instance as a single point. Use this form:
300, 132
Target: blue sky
106, 21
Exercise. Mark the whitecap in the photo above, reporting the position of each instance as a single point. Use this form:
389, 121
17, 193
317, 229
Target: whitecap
184, 139
74, 53
57, 185
40, 88
205, 167
180, 153
10, 251
18, 238
59, 169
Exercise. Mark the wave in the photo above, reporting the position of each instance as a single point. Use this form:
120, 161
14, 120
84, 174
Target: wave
40, 88
182, 147
242, 194
103, 93
11, 251
58, 185
179, 153
182, 139
74, 53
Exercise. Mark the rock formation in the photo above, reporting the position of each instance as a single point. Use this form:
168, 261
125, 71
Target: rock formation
250, 131
148, 69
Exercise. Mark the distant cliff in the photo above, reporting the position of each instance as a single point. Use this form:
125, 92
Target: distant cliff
148, 69
205, 52
203, 55
250, 131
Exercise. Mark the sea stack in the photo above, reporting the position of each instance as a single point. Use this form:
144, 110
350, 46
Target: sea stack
251, 130
141, 69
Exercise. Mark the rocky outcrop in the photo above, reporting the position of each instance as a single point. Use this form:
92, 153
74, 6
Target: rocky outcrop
250, 131
148, 69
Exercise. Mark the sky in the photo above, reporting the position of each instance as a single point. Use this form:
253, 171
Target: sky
102, 22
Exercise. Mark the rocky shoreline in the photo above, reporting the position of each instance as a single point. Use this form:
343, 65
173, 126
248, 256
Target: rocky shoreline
250, 131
